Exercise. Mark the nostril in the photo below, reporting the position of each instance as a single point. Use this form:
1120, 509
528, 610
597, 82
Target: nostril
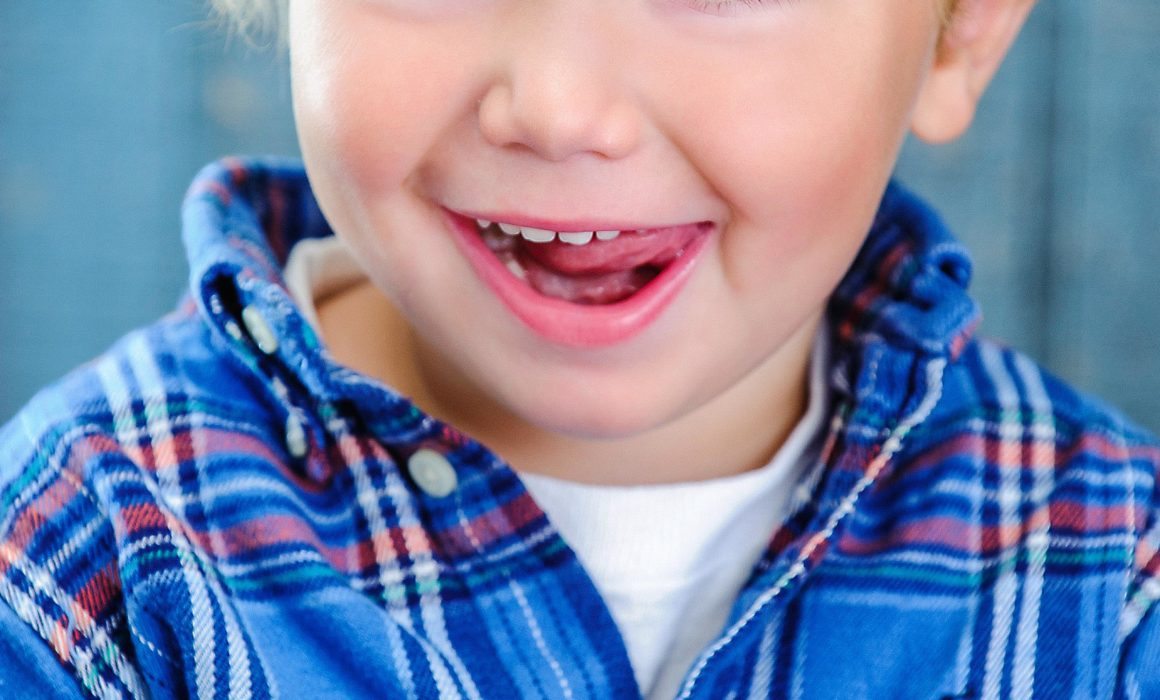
495, 124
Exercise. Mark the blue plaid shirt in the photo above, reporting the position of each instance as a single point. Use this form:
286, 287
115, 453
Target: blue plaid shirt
216, 509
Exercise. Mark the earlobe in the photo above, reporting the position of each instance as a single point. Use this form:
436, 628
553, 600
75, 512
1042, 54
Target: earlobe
945, 107
969, 53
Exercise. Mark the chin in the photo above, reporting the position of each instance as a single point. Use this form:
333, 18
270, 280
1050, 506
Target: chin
606, 418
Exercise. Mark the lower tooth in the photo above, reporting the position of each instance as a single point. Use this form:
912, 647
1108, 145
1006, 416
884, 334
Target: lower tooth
516, 269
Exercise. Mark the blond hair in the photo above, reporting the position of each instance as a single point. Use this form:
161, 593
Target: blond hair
252, 19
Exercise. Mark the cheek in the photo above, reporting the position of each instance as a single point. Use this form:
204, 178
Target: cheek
372, 92
371, 96
821, 101
802, 177
795, 147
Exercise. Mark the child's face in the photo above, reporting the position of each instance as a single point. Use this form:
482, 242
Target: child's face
776, 122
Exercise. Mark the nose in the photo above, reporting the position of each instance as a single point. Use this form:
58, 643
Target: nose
558, 92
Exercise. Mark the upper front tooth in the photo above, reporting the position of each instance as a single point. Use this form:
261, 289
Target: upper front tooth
537, 235
509, 229
576, 238
483, 223
607, 235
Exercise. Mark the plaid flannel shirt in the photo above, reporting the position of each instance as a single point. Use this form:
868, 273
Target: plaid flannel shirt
216, 509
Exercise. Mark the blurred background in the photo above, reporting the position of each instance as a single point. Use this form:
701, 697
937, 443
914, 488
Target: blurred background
108, 108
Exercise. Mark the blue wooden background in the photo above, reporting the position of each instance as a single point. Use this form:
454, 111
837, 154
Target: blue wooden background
108, 107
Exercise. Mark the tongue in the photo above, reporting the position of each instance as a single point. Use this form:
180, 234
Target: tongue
606, 288
600, 272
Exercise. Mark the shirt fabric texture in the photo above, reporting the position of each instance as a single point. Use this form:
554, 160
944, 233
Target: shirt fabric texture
216, 509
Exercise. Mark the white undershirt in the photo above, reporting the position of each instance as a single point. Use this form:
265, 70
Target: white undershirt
669, 559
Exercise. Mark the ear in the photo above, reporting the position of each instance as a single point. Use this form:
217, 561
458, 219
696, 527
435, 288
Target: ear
970, 50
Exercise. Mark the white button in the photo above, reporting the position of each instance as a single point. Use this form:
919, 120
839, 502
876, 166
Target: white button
234, 331
432, 472
296, 443
260, 330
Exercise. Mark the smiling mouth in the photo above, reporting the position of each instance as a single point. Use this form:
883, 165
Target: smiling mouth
589, 268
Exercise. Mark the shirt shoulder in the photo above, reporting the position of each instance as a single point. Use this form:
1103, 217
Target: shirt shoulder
989, 376
1044, 474
94, 467
1027, 418
155, 377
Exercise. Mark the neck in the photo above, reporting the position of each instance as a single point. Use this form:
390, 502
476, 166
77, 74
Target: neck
737, 431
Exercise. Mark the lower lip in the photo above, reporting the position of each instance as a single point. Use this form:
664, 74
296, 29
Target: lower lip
576, 325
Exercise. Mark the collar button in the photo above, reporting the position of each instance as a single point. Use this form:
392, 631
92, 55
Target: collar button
260, 330
297, 443
432, 473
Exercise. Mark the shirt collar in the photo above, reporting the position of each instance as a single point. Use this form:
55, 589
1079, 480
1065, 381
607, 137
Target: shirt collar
240, 219
908, 284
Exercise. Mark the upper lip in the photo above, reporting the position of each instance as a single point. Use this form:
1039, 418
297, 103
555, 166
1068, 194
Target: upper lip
571, 225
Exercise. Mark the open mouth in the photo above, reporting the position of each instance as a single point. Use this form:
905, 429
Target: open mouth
587, 267
582, 288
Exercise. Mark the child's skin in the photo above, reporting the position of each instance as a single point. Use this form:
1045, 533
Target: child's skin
777, 121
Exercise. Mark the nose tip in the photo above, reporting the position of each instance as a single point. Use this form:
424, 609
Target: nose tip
556, 118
